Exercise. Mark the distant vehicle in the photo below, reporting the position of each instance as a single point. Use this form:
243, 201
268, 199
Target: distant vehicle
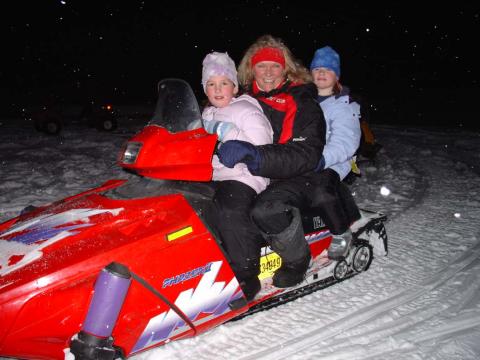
51, 119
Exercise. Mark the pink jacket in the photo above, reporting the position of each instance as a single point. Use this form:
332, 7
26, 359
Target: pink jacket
250, 125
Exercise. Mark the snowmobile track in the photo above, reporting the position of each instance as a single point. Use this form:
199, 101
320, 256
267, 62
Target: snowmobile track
293, 295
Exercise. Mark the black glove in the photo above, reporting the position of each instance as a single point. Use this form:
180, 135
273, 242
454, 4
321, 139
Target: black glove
234, 151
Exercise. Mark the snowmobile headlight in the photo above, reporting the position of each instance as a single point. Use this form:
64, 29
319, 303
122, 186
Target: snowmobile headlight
131, 152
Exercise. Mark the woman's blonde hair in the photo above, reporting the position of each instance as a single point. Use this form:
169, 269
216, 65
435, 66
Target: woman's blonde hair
294, 70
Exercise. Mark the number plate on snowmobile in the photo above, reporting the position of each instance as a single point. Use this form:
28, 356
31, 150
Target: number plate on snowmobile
269, 264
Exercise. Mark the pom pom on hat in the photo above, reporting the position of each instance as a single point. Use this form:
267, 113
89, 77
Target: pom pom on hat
328, 58
218, 64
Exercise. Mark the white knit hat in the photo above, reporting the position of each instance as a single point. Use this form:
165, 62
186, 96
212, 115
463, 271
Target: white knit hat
218, 64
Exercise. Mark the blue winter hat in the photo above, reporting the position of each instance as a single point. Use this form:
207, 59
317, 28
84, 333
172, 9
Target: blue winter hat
328, 58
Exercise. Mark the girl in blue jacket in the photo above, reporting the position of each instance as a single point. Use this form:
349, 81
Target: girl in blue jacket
343, 133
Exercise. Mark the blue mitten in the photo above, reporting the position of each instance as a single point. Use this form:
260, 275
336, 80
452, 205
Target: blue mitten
221, 128
320, 165
234, 151
195, 124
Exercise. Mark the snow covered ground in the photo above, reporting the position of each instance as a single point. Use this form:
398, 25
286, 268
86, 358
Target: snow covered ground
420, 302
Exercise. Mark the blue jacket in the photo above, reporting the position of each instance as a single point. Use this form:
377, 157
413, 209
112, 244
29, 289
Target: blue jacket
343, 134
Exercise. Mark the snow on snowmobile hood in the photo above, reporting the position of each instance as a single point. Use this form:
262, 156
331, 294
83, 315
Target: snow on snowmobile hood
77, 228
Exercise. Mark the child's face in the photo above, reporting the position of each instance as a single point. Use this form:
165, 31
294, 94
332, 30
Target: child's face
220, 90
324, 78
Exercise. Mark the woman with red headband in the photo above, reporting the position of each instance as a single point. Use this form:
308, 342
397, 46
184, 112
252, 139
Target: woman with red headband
283, 88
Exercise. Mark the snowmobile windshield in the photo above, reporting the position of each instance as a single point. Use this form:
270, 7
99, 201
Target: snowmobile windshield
177, 108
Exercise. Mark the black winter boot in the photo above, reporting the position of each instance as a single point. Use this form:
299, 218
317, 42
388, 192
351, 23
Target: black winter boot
250, 287
292, 247
291, 274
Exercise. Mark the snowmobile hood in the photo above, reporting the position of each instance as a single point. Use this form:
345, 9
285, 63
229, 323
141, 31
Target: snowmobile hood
77, 229
51, 256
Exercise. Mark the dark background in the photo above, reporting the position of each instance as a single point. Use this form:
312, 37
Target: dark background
414, 66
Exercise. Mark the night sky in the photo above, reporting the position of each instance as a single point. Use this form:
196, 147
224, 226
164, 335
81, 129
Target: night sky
413, 66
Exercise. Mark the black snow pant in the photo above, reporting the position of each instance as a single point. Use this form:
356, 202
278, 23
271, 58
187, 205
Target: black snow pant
334, 202
272, 209
229, 217
276, 213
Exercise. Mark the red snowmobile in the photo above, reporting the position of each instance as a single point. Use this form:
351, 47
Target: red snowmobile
131, 264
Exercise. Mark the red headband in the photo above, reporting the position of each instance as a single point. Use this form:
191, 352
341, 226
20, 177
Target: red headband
269, 54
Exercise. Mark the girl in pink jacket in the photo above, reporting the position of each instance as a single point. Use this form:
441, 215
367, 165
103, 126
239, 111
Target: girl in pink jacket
234, 118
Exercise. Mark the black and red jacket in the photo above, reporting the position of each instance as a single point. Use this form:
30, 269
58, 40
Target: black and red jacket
298, 130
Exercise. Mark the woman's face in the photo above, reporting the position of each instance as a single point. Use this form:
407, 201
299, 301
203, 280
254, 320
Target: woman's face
268, 75
220, 90
324, 78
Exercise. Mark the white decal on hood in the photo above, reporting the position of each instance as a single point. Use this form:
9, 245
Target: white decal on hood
23, 242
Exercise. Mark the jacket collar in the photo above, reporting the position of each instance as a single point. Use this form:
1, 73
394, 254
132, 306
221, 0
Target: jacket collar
266, 94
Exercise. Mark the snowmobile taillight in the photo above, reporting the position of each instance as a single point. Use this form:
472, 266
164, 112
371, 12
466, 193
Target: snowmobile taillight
131, 152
